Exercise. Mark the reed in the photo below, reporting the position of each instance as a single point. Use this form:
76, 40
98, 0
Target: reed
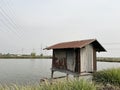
108, 76
63, 85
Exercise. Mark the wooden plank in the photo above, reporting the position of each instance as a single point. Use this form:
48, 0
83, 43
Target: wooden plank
94, 60
70, 72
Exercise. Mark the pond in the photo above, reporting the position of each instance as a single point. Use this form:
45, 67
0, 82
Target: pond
30, 71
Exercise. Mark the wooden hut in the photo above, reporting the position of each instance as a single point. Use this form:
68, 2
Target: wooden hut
75, 57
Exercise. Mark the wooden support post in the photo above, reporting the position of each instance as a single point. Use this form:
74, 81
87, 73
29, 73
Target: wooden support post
67, 76
52, 72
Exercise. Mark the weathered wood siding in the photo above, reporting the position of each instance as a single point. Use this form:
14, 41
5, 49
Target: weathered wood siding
94, 60
71, 60
86, 59
67, 59
83, 59
75, 60
59, 59
89, 58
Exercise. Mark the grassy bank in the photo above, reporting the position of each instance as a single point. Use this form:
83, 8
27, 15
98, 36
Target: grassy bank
25, 57
66, 85
108, 59
109, 77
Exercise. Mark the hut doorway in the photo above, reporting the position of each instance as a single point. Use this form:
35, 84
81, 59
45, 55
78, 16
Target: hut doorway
77, 60
73, 60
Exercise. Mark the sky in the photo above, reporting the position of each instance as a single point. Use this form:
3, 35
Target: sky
29, 25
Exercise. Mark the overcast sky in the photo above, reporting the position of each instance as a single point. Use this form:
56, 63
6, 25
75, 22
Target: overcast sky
28, 25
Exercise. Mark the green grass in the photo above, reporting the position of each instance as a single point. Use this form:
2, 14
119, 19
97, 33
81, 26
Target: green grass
66, 85
109, 76
108, 59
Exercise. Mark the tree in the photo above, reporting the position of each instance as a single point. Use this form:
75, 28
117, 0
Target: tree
41, 54
33, 54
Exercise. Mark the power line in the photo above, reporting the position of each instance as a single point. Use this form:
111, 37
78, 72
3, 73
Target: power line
6, 19
9, 4
5, 25
112, 43
9, 28
9, 9
10, 20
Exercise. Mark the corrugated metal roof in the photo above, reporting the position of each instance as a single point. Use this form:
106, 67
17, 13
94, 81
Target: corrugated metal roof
77, 44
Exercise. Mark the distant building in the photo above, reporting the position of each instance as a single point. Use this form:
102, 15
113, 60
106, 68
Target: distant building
75, 57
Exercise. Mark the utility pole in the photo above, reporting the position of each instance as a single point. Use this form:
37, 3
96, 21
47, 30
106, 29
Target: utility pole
41, 53
22, 50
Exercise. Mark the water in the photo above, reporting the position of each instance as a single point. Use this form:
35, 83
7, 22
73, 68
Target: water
24, 71
107, 65
30, 71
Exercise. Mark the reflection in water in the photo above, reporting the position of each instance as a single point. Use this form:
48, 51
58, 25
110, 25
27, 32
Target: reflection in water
107, 65
23, 71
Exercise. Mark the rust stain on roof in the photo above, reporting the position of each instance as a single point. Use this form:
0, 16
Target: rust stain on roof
76, 44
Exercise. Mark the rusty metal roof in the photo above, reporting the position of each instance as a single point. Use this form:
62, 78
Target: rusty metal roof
78, 44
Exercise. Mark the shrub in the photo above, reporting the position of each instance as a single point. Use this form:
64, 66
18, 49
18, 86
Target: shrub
71, 85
